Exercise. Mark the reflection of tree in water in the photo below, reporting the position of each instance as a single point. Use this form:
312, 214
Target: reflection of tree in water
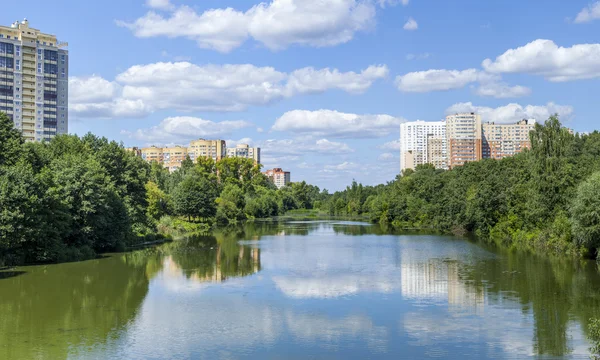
51, 308
553, 291
212, 258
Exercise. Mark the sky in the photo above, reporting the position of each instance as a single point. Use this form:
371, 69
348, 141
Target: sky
320, 85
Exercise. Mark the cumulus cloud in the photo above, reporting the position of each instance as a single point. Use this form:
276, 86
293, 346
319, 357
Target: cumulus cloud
336, 124
185, 86
513, 112
345, 166
545, 58
308, 79
300, 147
160, 4
386, 157
501, 90
384, 3
96, 97
182, 129
440, 79
589, 13
277, 24
411, 25
392, 145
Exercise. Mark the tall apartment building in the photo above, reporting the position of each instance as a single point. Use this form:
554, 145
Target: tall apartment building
214, 149
152, 153
503, 140
422, 142
34, 72
279, 177
246, 152
463, 136
174, 156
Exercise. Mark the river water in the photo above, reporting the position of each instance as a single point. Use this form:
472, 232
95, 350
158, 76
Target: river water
298, 290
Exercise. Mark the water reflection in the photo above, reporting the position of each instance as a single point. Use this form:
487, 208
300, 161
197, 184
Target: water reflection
306, 288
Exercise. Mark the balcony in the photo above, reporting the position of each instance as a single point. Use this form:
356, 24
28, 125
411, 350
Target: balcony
28, 72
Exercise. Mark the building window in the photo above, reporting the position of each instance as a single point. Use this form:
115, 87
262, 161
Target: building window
18, 50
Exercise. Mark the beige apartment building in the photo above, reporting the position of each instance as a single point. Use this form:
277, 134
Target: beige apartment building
463, 132
34, 72
245, 151
503, 140
436, 151
174, 156
214, 149
279, 177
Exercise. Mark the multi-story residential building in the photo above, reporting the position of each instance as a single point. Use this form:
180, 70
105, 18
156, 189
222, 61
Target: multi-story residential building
415, 139
152, 153
437, 151
173, 157
246, 152
135, 150
34, 72
279, 177
503, 140
463, 136
214, 149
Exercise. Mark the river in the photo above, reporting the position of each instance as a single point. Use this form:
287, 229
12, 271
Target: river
297, 290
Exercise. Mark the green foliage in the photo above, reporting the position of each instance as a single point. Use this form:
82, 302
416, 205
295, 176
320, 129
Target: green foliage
195, 197
585, 213
231, 204
10, 141
594, 336
159, 203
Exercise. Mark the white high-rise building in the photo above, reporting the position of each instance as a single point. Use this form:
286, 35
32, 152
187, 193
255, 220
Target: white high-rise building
245, 151
423, 142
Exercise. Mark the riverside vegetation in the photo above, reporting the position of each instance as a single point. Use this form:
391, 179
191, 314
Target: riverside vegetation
72, 198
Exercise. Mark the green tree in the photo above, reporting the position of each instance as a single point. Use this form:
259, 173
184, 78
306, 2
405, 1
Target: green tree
11, 141
195, 197
231, 204
585, 213
159, 203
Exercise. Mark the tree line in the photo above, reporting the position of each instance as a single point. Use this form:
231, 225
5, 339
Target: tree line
74, 197
543, 199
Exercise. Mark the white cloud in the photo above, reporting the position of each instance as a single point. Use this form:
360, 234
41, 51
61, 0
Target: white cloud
336, 124
300, 147
392, 145
345, 166
590, 13
95, 97
160, 4
501, 90
383, 3
386, 157
185, 86
182, 129
277, 25
411, 25
309, 80
418, 56
439, 80
513, 112
545, 58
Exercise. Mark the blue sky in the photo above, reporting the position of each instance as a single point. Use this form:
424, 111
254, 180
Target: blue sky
320, 85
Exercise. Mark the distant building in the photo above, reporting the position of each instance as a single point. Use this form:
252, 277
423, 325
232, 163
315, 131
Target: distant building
503, 140
34, 73
416, 138
152, 153
245, 151
213, 149
463, 136
279, 177
135, 150
173, 157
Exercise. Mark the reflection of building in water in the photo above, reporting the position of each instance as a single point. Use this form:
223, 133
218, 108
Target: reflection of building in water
438, 280
218, 270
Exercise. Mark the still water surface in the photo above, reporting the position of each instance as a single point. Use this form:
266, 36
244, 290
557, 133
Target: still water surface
297, 290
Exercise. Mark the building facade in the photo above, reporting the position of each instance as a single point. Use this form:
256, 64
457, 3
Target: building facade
416, 137
34, 73
245, 151
463, 138
173, 157
214, 149
503, 140
279, 177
